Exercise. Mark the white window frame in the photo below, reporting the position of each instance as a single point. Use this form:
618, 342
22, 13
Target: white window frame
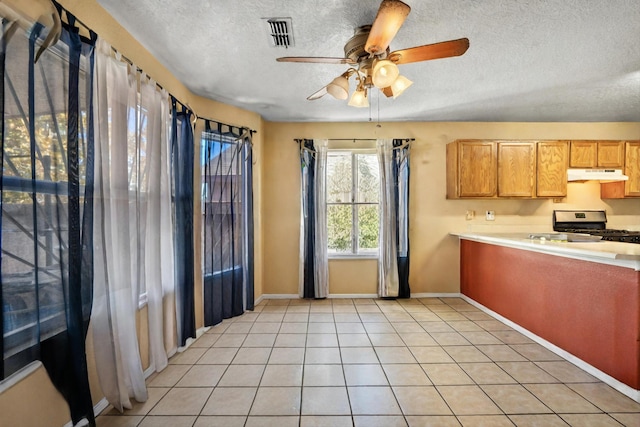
355, 250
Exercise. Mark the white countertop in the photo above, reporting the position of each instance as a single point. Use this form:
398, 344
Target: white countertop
613, 253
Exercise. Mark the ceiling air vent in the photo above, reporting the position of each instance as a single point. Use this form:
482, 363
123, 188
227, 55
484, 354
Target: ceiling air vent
280, 32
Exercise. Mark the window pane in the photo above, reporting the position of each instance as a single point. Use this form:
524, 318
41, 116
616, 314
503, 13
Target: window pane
368, 230
339, 178
339, 226
368, 178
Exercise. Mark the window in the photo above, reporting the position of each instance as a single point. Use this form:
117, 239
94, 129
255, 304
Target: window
353, 190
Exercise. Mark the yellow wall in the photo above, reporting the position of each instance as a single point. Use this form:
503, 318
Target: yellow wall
434, 254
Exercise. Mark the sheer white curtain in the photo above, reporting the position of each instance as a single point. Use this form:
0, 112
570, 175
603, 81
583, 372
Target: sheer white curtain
388, 282
322, 258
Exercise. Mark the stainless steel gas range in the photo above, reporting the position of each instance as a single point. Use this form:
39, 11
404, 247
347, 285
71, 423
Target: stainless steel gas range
592, 222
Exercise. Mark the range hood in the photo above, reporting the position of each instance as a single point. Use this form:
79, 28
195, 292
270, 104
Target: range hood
605, 175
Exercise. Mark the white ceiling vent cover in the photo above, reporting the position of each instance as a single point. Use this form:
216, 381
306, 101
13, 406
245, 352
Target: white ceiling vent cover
280, 32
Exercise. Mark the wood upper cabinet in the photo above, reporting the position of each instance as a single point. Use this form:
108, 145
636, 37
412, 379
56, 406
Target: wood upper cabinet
516, 169
594, 154
551, 172
471, 169
630, 188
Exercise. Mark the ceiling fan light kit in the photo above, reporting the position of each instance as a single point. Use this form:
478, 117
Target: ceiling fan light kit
375, 66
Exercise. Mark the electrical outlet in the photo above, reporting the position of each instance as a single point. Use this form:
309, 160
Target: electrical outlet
490, 216
469, 215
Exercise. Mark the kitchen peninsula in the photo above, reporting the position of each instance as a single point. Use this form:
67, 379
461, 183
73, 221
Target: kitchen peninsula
583, 297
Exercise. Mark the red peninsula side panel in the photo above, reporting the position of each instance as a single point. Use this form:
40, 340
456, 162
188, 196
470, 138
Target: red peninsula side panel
589, 309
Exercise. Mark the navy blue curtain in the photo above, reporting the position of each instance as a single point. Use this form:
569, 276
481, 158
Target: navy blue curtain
401, 205
182, 170
308, 169
227, 198
47, 216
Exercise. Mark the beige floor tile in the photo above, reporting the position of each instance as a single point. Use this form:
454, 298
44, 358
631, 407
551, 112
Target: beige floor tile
430, 355
546, 420
239, 328
407, 327
320, 309
325, 421
202, 376
526, 372
259, 340
511, 337
295, 318
465, 326
590, 420
321, 317
322, 340
567, 372
372, 316
346, 317
270, 317
206, 340
364, 375
466, 354
325, 401
417, 339
394, 355
561, 399
515, 399
446, 374
298, 308
280, 421
386, 340
606, 398
187, 357
182, 401
230, 340
379, 421
405, 374
218, 356
426, 317
351, 355
250, 317
485, 421
252, 356
449, 316
276, 401
290, 340
344, 309
477, 315
379, 327
501, 353
323, 375
399, 317
118, 420
433, 421
154, 394
487, 373
220, 421
449, 338
265, 328
282, 376
436, 326
242, 376
321, 328
350, 328
322, 355
492, 325
421, 400
230, 401
480, 338
294, 328
627, 420
287, 356
353, 340
169, 376
168, 421
373, 401
468, 400
535, 352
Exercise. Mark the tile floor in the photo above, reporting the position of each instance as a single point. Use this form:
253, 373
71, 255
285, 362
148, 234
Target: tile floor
364, 362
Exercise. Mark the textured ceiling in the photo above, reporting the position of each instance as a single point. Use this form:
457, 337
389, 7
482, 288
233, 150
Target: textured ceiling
528, 60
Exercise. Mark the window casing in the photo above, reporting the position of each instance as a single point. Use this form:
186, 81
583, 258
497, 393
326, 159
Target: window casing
353, 194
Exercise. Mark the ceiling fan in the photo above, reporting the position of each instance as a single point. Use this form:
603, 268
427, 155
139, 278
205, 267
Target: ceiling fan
371, 61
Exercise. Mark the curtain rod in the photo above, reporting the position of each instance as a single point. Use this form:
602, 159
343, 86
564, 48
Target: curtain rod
140, 70
355, 139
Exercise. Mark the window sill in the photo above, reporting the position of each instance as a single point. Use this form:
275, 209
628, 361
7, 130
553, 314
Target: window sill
352, 257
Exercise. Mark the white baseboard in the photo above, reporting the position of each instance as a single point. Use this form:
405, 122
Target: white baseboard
355, 296
605, 378
352, 296
437, 295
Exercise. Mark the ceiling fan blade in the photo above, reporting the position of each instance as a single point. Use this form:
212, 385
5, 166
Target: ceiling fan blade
430, 51
390, 17
318, 60
319, 94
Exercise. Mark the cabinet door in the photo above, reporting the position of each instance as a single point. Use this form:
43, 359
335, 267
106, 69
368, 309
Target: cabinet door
477, 168
610, 154
553, 159
584, 154
632, 169
516, 169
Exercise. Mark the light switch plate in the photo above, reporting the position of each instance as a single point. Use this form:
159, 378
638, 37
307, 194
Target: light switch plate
490, 216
